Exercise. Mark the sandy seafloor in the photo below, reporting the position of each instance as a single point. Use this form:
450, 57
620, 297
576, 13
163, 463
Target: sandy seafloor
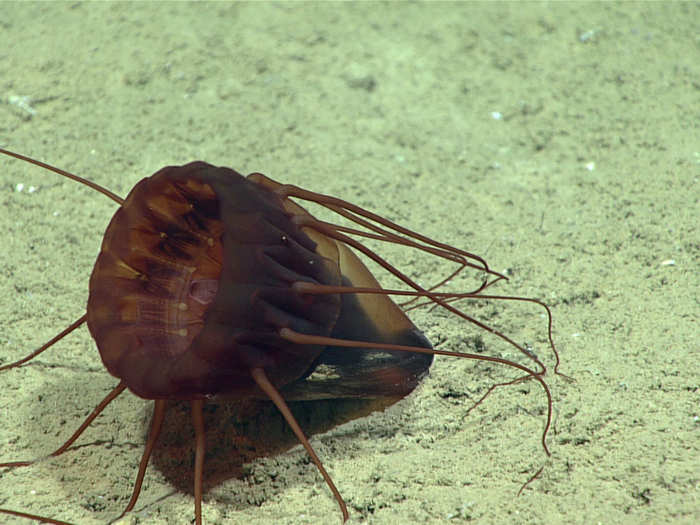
560, 141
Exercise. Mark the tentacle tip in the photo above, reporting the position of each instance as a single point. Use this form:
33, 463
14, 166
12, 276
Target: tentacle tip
568, 378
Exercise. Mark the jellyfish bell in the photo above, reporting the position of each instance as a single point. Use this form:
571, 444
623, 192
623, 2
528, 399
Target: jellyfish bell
195, 279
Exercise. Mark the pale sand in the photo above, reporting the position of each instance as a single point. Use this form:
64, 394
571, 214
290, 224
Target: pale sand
586, 189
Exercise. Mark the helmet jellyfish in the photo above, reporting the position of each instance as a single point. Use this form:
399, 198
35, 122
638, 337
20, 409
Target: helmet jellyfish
212, 284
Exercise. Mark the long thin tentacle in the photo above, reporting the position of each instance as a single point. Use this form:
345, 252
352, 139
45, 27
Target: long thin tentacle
46, 345
41, 519
264, 383
200, 442
60, 450
156, 425
96, 412
85, 182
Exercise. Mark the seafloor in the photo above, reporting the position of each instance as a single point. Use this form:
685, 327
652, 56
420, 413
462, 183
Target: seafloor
560, 141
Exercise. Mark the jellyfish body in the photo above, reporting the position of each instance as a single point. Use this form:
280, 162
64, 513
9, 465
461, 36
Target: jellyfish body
194, 283
209, 283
